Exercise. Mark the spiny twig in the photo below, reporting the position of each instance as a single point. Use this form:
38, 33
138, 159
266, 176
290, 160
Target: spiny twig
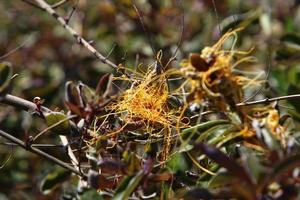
45, 6
31, 107
39, 152
268, 100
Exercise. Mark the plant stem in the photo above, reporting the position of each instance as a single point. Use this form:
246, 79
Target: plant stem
23, 104
45, 6
268, 100
39, 152
31, 107
56, 5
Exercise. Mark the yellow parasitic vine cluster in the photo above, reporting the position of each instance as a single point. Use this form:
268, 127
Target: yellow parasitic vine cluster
211, 77
207, 77
210, 74
146, 101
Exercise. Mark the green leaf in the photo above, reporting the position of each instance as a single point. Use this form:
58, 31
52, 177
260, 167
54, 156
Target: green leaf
63, 127
293, 89
127, 186
251, 164
239, 20
5, 77
228, 163
289, 50
91, 194
72, 94
233, 185
53, 179
292, 38
174, 102
177, 162
213, 133
165, 191
103, 84
87, 94
222, 179
228, 137
190, 132
185, 147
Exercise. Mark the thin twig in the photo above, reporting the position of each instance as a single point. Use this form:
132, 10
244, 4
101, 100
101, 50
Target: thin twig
52, 126
78, 38
182, 29
267, 100
151, 42
79, 154
266, 81
8, 158
14, 49
31, 107
73, 158
74, 7
34, 145
56, 5
217, 16
39, 152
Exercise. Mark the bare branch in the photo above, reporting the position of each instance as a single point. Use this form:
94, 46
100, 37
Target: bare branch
31, 107
35, 145
45, 6
267, 100
23, 104
39, 152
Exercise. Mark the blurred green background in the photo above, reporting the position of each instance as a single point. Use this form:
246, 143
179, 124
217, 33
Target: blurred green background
48, 57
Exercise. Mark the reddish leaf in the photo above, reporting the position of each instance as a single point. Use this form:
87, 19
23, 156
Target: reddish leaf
223, 160
112, 167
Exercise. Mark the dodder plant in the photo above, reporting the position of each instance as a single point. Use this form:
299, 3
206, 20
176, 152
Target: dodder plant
161, 132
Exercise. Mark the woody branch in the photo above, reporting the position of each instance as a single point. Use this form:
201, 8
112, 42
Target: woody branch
46, 7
